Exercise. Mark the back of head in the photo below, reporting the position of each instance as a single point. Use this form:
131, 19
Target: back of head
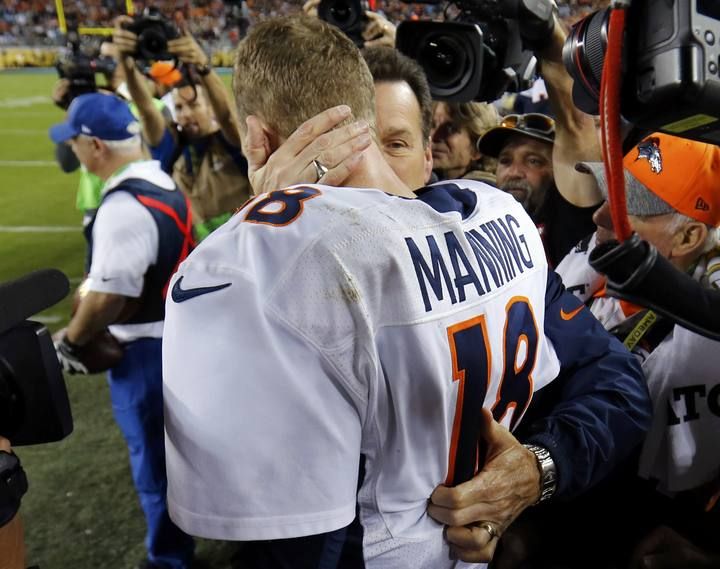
289, 69
388, 64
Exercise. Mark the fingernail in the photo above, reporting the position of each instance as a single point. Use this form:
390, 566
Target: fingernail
343, 110
361, 126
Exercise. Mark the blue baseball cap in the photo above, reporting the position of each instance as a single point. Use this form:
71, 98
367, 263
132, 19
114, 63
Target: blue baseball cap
106, 117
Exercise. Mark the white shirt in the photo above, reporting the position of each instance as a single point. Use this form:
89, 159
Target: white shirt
327, 340
125, 244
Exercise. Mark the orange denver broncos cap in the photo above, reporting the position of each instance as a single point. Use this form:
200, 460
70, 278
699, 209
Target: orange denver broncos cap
664, 174
165, 73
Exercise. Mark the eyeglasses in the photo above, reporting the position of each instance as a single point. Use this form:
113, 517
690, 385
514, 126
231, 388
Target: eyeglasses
541, 124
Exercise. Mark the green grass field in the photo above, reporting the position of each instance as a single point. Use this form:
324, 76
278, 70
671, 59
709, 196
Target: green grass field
81, 510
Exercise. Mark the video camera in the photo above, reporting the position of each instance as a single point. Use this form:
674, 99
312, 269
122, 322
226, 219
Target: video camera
347, 15
34, 406
481, 52
671, 67
153, 32
80, 69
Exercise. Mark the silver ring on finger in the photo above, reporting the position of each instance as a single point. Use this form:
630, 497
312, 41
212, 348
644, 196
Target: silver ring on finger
320, 169
490, 528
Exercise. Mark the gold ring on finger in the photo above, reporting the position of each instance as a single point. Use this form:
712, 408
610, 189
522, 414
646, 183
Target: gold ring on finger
490, 528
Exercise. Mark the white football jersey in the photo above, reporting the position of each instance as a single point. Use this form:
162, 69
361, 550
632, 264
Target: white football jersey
324, 323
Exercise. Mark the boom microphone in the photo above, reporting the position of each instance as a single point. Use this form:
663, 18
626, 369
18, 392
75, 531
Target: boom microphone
30, 294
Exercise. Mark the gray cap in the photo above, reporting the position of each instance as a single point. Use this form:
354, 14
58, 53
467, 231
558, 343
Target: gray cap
640, 200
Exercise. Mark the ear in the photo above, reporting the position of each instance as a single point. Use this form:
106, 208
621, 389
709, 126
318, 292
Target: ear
428, 161
689, 240
98, 145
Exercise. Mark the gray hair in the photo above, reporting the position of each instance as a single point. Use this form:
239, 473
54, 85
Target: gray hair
678, 220
127, 146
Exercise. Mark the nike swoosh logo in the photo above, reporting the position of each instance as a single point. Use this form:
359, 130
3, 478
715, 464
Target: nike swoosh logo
180, 294
572, 314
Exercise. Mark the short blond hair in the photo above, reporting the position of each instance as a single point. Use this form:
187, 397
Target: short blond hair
289, 69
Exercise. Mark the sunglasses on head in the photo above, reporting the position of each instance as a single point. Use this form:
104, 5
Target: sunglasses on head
530, 121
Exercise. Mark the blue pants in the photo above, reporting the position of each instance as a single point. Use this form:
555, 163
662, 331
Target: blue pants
136, 395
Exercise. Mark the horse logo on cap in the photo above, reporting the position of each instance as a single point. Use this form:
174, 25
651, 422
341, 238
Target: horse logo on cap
650, 150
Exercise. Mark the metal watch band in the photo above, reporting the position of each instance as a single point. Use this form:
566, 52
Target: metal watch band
548, 473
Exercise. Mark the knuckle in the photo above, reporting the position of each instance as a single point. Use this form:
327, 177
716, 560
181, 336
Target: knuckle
323, 142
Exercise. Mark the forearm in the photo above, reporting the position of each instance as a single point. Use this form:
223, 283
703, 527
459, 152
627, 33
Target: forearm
598, 410
12, 545
576, 138
96, 312
152, 119
221, 104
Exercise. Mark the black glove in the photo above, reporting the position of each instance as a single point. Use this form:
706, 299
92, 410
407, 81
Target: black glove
13, 485
68, 356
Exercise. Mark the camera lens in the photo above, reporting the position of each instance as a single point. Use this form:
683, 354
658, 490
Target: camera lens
152, 43
584, 55
444, 60
341, 13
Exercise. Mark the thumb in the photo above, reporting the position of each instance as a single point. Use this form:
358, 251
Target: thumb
256, 145
496, 437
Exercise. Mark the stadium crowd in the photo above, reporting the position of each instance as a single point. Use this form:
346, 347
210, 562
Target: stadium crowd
216, 24
600, 418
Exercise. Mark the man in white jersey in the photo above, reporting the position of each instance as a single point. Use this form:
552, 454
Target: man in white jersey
350, 321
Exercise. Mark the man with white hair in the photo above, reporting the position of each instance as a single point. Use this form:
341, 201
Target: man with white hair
673, 203
136, 239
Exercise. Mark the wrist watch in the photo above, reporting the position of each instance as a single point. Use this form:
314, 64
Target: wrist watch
548, 472
203, 70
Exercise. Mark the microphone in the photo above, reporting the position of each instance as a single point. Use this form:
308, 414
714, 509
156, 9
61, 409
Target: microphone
30, 294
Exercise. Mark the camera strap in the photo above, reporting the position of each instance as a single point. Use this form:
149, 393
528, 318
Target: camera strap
13, 485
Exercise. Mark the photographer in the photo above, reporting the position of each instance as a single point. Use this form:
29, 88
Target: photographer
202, 149
73, 83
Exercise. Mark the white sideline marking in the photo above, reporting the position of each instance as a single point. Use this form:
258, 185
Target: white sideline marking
31, 163
40, 229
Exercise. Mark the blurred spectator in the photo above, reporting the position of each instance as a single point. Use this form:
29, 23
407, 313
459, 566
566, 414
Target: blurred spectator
457, 128
216, 24
165, 76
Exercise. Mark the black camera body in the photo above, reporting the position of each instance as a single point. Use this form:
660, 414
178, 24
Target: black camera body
481, 53
34, 405
671, 66
347, 15
153, 32
80, 69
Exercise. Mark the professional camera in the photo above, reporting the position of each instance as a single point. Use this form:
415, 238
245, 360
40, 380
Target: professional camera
481, 53
153, 32
347, 15
671, 66
34, 406
80, 69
